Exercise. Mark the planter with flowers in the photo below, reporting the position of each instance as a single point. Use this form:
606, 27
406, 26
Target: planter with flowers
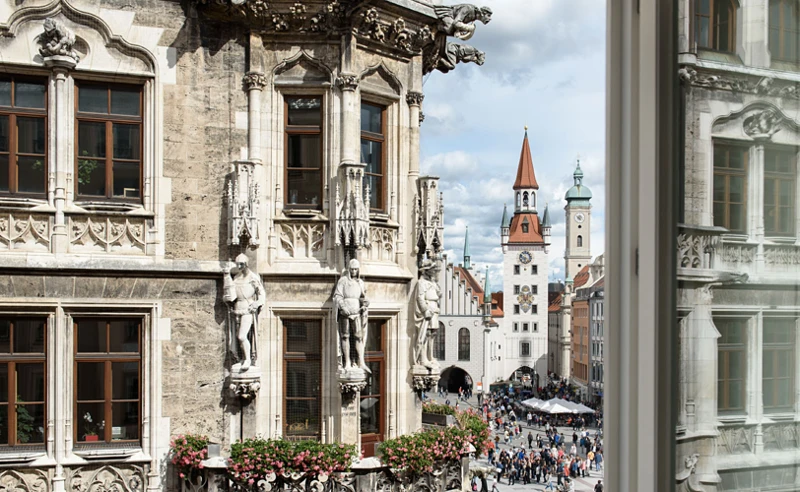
188, 453
91, 428
438, 414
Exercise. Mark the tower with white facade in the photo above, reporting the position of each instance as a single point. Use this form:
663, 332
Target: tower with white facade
577, 253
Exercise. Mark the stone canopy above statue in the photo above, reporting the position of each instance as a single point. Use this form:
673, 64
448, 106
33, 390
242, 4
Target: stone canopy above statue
404, 28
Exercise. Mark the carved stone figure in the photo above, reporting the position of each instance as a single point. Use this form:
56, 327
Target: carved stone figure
351, 309
245, 294
56, 40
459, 20
426, 313
763, 124
455, 53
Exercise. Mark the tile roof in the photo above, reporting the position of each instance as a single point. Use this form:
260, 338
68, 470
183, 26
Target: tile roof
525, 176
581, 277
497, 305
534, 234
471, 281
555, 302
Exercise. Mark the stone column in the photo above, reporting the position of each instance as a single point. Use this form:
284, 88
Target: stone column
254, 83
755, 203
59, 140
755, 400
351, 118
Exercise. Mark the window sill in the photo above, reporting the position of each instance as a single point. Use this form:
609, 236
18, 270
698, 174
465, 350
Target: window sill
109, 206
784, 416
9, 456
307, 213
788, 240
732, 419
106, 452
31, 204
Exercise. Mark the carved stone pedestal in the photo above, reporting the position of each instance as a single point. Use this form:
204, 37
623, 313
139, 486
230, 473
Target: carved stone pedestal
424, 379
245, 384
351, 382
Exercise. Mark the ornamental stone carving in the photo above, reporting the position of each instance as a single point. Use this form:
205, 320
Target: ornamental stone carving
243, 199
780, 437
382, 244
279, 16
118, 235
25, 232
392, 32
245, 389
301, 240
415, 98
459, 20
781, 255
686, 478
347, 82
352, 206
424, 382
696, 248
254, 81
24, 480
762, 125
119, 478
57, 40
455, 53
428, 213
735, 440
736, 253
245, 296
350, 389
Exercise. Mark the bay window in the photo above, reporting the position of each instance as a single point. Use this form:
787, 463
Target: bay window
23, 136
303, 142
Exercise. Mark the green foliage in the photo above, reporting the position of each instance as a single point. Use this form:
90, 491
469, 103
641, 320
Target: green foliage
438, 408
85, 169
188, 452
25, 424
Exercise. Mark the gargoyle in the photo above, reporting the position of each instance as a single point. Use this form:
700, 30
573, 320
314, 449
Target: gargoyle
459, 20
56, 40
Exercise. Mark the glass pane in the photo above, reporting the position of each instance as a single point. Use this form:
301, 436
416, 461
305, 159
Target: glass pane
124, 335
370, 415
5, 100
719, 214
29, 335
302, 379
737, 218
736, 193
719, 188
91, 381
30, 135
374, 337
125, 418
375, 191
769, 192
374, 379
701, 33
302, 418
371, 156
30, 383
126, 179
3, 172
303, 336
304, 111
786, 192
91, 177
125, 101
304, 187
126, 141
91, 335
29, 95
5, 336
304, 151
704, 7
90, 422
30, 174
3, 385
93, 99
3, 425
371, 118
4, 134
30, 424
736, 365
125, 380
91, 139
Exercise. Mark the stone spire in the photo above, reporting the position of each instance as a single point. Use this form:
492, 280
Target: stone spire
467, 264
546, 217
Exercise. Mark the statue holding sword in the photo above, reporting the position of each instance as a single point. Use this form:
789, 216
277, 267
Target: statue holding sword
426, 314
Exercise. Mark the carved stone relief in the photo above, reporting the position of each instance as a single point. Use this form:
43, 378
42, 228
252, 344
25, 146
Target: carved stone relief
119, 235
382, 244
352, 207
57, 40
31, 480
428, 213
243, 201
781, 255
780, 437
735, 253
686, 478
459, 20
302, 240
735, 440
107, 478
254, 80
763, 86
25, 232
695, 249
762, 125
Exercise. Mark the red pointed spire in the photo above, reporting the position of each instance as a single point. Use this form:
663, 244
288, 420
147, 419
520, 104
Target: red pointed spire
525, 176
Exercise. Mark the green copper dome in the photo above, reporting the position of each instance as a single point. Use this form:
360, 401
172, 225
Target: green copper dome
578, 192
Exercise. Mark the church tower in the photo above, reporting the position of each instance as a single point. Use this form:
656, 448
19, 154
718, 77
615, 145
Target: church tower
577, 253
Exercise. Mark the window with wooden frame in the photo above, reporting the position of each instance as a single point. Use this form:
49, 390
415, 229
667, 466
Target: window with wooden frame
715, 24
730, 186
778, 359
303, 152
23, 136
525, 349
373, 153
732, 364
108, 131
784, 30
302, 372
108, 388
439, 343
463, 344
780, 173
372, 404
23, 366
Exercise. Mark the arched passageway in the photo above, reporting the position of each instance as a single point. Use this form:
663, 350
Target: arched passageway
453, 378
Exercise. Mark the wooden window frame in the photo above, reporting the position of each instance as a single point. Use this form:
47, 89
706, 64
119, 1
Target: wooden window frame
522, 352
380, 357
462, 345
777, 53
108, 358
713, 28
380, 138
724, 351
13, 112
303, 357
11, 359
289, 130
110, 119
769, 352
779, 177
727, 172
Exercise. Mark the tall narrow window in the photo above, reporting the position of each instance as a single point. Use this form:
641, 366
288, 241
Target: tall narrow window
22, 381
780, 169
23, 136
516, 269
463, 344
108, 391
525, 349
778, 364
730, 186
303, 152
732, 366
372, 404
302, 368
516, 289
439, 343
714, 23
525, 199
373, 152
784, 30
580, 241
108, 154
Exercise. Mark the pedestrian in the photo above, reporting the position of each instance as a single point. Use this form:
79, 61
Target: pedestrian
599, 486
530, 440
598, 458
590, 458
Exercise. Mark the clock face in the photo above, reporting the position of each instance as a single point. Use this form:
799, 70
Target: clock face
525, 299
579, 217
525, 257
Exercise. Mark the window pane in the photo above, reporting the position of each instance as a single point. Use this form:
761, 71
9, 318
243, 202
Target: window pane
736, 193
125, 418
29, 95
3, 425
3, 385
303, 337
91, 177
93, 99
91, 139
125, 381
91, 381
30, 382
374, 337
30, 424
3, 172
373, 380
126, 179
304, 151
701, 33
30, 174
371, 118
29, 336
4, 134
304, 187
370, 415
30, 135
5, 336
304, 111
90, 421
5, 100
786, 192
91, 335
737, 218
371, 156
375, 191
302, 419
302, 379
126, 141
719, 188
125, 101
124, 335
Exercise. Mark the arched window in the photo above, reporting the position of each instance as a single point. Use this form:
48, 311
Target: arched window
784, 30
580, 241
714, 22
533, 199
463, 344
439, 343
518, 199
525, 199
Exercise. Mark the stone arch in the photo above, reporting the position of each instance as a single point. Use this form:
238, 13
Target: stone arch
526, 373
525, 199
301, 68
580, 241
454, 377
380, 79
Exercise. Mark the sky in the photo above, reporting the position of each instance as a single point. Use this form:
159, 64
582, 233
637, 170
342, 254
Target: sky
545, 68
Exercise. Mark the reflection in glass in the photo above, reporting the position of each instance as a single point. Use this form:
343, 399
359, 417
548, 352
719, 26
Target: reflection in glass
126, 179
126, 141
125, 380
5, 100
91, 381
30, 135
30, 424
125, 421
4, 134
29, 95
125, 101
304, 110
93, 99
371, 118
30, 382
91, 335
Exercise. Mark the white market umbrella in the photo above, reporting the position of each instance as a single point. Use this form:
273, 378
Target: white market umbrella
533, 403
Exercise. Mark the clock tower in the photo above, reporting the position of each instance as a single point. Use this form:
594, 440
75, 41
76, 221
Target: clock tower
577, 253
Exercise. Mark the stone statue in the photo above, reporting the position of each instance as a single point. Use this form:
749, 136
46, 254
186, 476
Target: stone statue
426, 313
245, 294
455, 53
763, 124
56, 40
351, 310
459, 20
